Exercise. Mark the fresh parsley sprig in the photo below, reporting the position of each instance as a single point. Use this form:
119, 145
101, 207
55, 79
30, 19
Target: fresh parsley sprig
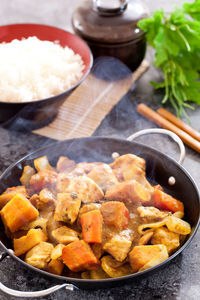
176, 40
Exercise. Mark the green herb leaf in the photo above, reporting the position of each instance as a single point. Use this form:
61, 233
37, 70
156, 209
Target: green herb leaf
176, 40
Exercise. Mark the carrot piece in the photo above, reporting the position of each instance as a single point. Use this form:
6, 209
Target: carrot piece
18, 212
91, 223
164, 201
78, 256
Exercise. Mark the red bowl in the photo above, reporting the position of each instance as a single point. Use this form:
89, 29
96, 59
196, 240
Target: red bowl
39, 112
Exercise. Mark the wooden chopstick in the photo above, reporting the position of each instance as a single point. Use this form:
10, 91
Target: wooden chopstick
173, 119
162, 122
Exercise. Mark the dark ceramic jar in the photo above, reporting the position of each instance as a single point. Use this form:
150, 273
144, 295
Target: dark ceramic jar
110, 28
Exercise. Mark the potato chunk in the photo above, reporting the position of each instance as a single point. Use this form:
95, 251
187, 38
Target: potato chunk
39, 255
64, 235
18, 212
118, 248
67, 208
26, 175
140, 256
25, 243
55, 266
104, 176
128, 191
170, 239
115, 214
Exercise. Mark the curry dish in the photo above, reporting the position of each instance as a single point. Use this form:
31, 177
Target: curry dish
91, 220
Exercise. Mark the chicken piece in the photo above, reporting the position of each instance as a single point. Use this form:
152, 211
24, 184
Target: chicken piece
88, 166
85, 188
10, 193
64, 235
170, 239
104, 176
43, 179
130, 166
40, 255
65, 165
144, 240
115, 214
151, 214
143, 257
67, 208
118, 248
128, 191
52, 225
45, 198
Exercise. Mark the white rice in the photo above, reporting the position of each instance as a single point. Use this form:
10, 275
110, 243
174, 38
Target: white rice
31, 69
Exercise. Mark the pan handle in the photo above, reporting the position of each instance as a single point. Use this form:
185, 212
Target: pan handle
37, 294
165, 132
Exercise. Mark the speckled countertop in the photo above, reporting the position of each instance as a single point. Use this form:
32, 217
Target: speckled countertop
180, 279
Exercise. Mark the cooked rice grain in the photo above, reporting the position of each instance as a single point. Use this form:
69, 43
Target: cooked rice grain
31, 69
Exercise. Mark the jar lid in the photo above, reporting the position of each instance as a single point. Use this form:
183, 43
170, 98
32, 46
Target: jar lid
113, 21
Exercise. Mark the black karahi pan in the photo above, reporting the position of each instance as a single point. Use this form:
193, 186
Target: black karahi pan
160, 169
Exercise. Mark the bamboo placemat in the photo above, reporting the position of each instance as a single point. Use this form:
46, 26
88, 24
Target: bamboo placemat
87, 106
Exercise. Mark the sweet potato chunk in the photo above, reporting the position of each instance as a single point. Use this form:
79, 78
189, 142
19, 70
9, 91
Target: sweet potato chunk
65, 165
92, 223
78, 256
104, 176
115, 214
128, 191
55, 266
118, 248
10, 193
164, 201
64, 235
86, 189
39, 255
141, 255
170, 239
18, 212
25, 243
67, 208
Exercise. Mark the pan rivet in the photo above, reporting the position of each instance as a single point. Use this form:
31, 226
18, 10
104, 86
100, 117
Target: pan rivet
115, 155
171, 180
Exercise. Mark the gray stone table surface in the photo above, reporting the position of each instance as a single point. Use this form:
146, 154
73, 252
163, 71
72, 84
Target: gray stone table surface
180, 279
